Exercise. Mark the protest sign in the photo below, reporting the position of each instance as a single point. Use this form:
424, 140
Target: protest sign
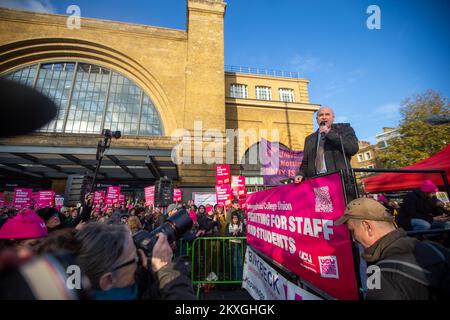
265, 283
294, 225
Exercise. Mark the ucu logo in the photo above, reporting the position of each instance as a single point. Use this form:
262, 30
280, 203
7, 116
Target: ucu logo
305, 256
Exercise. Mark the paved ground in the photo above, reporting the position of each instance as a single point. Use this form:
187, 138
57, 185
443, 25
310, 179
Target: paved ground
222, 292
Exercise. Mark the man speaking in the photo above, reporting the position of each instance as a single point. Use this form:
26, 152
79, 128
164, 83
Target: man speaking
328, 149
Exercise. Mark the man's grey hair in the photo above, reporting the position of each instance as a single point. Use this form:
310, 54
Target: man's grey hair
324, 107
100, 247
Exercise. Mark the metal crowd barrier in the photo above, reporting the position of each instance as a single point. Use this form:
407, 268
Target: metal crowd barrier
215, 260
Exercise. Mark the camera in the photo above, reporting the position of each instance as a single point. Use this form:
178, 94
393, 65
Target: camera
111, 134
173, 228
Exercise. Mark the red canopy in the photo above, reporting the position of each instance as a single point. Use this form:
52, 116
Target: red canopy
405, 181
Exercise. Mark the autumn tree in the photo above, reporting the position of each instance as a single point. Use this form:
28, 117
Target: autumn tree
418, 139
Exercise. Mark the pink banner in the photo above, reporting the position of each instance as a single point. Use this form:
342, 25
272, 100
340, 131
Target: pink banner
224, 195
112, 195
177, 195
222, 174
99, 196
149, 195
243, 203
45, 199
294, 225
23, 197
238, 186
122, 198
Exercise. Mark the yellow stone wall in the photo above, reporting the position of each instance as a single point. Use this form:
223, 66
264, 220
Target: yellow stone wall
300, 86
292, 120
182, 71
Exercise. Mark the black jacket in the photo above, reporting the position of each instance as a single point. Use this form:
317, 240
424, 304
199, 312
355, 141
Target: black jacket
334, 159
209, 225
416, 206
172, 282
409, 269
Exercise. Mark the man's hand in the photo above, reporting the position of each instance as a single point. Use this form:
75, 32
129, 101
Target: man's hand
162, 252
200, 233
298, 179
324, 129
88, 199
440, 218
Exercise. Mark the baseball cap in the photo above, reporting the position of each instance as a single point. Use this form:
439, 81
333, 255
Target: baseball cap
365, 209
171, 207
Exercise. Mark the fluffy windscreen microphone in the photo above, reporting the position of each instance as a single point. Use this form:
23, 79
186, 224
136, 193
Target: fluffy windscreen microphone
23, 109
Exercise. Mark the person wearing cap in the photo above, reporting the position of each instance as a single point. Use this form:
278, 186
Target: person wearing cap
124, 218
408, 268
172, 209
419, 210
50, 216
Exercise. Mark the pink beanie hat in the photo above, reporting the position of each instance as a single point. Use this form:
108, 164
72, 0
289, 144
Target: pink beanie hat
382, 199
428, 186
25, 225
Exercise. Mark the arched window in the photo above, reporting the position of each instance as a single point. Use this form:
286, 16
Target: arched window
91, 98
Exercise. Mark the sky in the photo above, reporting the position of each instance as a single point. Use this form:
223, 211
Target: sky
363, 74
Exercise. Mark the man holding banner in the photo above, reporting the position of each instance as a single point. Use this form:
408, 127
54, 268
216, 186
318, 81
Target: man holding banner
328, 149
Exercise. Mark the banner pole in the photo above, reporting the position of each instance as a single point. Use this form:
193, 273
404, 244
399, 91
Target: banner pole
355, 249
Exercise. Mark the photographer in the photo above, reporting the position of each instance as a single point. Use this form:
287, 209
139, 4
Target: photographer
109, 258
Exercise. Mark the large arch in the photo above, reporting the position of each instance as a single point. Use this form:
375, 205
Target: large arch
23, 53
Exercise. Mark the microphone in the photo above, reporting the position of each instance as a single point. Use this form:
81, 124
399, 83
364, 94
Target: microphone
322, 124
438, 119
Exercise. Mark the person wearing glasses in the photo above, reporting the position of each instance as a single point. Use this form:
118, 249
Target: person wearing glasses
117, 271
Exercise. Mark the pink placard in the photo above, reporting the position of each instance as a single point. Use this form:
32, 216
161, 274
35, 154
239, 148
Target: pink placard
149, 195
224, 195
238, 186
112, 195
22, 197
122, 198
45, 199
99, 196
243, 203
294, 225
222, 174
177, 195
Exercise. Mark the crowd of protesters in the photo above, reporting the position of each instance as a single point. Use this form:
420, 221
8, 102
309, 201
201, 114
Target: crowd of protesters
419, 209
98, 239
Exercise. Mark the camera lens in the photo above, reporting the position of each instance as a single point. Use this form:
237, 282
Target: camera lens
173, 228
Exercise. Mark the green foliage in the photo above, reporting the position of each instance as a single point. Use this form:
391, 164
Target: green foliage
418, 139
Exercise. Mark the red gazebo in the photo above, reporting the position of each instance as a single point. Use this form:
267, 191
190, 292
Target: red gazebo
395, 181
